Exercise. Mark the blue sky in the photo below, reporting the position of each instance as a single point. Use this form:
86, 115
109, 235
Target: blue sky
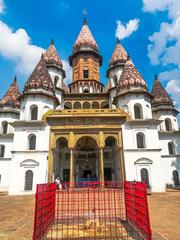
33, 23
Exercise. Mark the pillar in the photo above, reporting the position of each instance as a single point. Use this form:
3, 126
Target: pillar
121, 151
71, 168
101, 166
50, 157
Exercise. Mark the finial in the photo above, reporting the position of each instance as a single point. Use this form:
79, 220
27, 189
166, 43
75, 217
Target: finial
85, 15
118, 40
52, 41
15, 79
155, 76
128, 56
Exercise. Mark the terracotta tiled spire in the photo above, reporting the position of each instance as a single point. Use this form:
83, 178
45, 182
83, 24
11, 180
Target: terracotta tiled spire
10, 97
160, 96
85, 38
40, 79
119, 55
131, 77
51, 56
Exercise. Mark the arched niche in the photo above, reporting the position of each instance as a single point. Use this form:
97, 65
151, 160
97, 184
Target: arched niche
68, 105
86, 105
77, 105
95, 105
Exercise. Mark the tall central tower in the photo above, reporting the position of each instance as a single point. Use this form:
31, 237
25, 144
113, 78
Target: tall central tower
85, 61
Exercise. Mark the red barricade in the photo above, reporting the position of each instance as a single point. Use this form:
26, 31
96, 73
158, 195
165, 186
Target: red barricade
92, 210
136, 206
44, 216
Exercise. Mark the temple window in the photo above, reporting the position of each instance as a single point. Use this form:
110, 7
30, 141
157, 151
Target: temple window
171, 148
2, 150
140, 138
56, 79
34, 112
32, 142
85, 73
138, 111
4, 127
168, 124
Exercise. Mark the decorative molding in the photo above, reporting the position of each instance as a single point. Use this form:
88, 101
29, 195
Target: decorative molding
143, 161
29, 163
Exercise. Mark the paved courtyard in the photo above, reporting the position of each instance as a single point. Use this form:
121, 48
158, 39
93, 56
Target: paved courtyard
16, 216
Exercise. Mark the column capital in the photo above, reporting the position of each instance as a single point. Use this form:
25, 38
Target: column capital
71, 143
101, 139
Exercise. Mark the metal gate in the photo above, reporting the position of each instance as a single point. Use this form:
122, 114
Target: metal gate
92, 211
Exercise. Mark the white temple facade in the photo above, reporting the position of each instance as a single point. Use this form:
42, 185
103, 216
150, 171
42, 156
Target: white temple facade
151, 136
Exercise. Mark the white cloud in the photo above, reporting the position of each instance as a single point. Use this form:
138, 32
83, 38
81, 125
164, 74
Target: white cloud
124, 31
167, 75
164, 44
68, 71
173, 87
17, 46
2, 6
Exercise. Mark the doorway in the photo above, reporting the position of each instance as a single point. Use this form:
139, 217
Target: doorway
176, 178
145, 177
28, 180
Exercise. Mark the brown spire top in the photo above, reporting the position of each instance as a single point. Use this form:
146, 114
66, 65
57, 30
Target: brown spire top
160, 96
10, 97
85, 38
131, 77
51, 56
119, 55
40, 78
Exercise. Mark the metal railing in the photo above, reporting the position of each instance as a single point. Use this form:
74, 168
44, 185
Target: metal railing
110, 210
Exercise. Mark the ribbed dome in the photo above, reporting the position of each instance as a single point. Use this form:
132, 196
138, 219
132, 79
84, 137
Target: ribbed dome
119, 55
11, 96
85, 39
40, 79
51, 56
131, 77
160, 96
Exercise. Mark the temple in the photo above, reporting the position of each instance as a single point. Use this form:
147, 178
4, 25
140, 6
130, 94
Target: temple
87, 131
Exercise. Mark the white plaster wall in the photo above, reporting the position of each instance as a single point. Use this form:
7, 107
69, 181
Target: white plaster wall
44, 104
17, 172
162, 115
4, 172
150, 132
170, 162
155, 169
9, 117
21, 153
53, 71
131, 99
151, 152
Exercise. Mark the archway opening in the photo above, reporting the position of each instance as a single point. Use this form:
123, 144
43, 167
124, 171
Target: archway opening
145, 177
61, 157
28, 180
112, 165
176, 178
86, 159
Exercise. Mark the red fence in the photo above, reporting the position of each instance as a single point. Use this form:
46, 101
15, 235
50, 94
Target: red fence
88, 211
137, 214
44, 215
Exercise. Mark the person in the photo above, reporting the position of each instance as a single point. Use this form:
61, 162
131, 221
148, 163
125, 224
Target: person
58, 183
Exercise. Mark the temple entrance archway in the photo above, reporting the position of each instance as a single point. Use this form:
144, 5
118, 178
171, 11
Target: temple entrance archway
86, 159
62, 159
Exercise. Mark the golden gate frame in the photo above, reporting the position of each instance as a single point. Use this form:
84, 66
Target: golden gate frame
74, 124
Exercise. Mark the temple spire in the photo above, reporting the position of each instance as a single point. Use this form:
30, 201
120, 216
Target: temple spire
85, 17
159, 93
15, 79
52, 41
